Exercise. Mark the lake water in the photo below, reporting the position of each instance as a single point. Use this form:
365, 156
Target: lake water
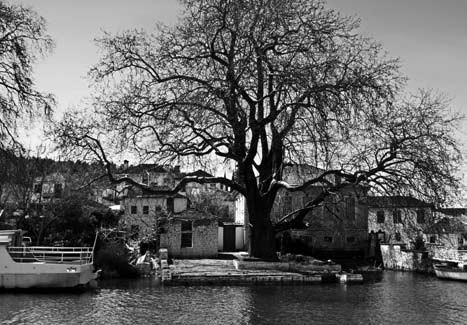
399, 298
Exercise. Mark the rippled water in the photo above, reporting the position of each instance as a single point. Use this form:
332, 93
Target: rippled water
400, 298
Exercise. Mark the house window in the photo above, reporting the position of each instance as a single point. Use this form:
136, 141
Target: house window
158, 208
420, 216
380, 217
145, 178
170, 204
57, 190
145, 209
351, 239
187, 233
328, 239
397, 216
432, 239
37, 188
133, 209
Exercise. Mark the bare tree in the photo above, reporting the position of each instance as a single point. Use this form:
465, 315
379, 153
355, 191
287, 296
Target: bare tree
22, 38
259, 84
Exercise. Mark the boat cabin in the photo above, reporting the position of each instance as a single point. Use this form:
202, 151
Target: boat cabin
12, 237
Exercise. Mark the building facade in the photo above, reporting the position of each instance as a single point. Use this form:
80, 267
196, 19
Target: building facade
399, 219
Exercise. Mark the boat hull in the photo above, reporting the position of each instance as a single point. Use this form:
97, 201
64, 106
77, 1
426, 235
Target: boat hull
69, 277
450, 273
23, 267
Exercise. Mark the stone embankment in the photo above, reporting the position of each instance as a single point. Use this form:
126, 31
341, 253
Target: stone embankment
245, 272
395, 257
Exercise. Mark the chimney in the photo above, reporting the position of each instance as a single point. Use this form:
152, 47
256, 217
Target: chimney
125, 164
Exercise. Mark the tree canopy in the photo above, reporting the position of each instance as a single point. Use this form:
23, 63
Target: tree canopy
262, 83
22, 39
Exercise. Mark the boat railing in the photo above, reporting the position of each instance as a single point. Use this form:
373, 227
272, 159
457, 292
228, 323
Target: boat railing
69, 255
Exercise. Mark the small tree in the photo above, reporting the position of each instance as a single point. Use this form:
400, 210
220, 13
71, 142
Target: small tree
258, 84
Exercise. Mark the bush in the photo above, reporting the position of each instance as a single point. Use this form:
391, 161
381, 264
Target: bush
113, 258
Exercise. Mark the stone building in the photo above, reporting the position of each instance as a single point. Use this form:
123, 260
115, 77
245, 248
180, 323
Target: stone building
336, 227
449, 229
189, 234
142, 211
399, 219
49, 188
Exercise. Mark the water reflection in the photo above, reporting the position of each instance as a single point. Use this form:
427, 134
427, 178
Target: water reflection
397, 298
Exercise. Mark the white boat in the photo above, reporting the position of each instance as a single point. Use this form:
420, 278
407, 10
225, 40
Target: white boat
452, 272
24, 267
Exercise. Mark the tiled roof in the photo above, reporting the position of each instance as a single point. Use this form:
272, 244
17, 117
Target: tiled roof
193, 214
199, 173
144, 167
396, 201
453, 211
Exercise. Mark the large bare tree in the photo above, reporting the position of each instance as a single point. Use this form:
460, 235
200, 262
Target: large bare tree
261, 83
23, 37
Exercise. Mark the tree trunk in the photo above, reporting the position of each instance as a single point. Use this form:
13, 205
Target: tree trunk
261, 235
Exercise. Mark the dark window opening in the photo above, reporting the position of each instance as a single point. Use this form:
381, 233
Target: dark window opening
187, 226
397, 216
380, 217
145, 209
328, 239
420, 216
58, 190
145, 178
432, 239
134, 209
158, 208
187, 239
170, 204
37, 188
351, 239
187, 234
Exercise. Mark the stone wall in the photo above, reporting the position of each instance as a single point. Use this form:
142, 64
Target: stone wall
204, 239
407, 229
395, 257
443, 253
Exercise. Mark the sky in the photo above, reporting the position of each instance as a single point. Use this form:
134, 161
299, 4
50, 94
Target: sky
427, 35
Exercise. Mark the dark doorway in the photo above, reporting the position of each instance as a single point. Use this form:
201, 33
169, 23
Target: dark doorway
229, 238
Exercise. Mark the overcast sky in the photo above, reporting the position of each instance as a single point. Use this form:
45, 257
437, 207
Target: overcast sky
428, 35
